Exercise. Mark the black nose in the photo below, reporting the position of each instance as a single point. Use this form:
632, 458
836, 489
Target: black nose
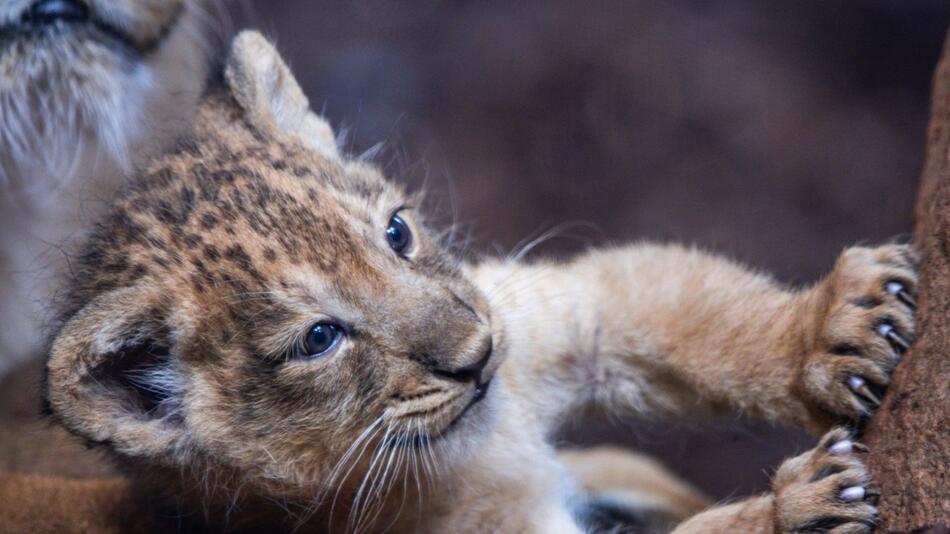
49, 11
468, 373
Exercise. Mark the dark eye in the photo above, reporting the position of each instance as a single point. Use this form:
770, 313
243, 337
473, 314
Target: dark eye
320, 339
398, 234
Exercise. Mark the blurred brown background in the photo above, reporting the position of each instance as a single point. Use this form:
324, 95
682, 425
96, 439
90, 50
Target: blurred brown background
777, 132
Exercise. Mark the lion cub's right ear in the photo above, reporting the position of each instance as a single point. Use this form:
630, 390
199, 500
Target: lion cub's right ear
113, 375
270, 96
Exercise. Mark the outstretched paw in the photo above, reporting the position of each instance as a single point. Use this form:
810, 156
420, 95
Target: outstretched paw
826, 490
866, 322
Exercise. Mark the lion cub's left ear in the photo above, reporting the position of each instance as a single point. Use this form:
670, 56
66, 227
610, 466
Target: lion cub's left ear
270, 96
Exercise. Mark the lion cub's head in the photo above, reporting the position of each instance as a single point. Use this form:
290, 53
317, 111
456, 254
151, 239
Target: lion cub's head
259, 306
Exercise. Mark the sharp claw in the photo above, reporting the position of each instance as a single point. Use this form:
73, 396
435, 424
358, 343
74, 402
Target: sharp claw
900, 291
899, 342
894, 287
855, 382
860, 447
907, 299
842, 447
852, 494
888, 332
859, 386
868, 396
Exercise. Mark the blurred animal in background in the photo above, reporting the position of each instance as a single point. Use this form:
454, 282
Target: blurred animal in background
88, 88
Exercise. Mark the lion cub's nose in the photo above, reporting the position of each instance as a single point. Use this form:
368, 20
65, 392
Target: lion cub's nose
472, 371
50, 11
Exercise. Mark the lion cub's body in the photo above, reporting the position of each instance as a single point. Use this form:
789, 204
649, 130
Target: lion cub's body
184, 346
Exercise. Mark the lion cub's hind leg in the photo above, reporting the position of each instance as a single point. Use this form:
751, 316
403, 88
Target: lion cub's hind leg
628, 492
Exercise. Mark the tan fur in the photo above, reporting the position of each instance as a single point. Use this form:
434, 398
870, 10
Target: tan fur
178, 349
676, 331
806, 492
33, 503
80, 107
635, 480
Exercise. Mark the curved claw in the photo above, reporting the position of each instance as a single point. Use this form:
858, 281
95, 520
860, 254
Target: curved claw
897, 341
871, 398
847, 446
841, 448
907, 299
900, 291
852, 494
860, 387
888, 332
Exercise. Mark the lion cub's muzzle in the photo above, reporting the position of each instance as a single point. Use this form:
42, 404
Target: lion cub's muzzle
471, 372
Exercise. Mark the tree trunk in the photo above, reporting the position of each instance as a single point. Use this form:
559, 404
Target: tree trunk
910, 435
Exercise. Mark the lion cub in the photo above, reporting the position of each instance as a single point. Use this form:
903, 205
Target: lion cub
268, 335
85, 85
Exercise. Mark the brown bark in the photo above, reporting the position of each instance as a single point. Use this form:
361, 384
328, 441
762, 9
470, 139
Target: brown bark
910, 434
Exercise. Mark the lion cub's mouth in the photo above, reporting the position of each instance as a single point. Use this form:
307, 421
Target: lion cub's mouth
61, 18
423, 438
481, 390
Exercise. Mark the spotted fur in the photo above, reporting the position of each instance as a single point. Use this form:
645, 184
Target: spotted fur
178, 346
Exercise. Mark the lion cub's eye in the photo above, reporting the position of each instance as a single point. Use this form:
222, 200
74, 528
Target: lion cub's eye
321, 338
398, 235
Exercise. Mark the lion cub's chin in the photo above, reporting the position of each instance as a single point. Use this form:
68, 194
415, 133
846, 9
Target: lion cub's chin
457, 440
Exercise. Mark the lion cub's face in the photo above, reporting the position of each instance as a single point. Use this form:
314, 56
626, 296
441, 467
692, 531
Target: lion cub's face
260, 303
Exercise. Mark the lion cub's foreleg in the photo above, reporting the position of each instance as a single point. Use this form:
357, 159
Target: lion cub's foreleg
666, 329
823, 490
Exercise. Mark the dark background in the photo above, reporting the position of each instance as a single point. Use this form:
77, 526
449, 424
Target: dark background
777, 132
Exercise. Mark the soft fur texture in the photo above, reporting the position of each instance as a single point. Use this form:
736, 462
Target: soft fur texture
81, 104
45, 504
178, 347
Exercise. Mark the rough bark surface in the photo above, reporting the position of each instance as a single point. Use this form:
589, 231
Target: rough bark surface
910, 434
